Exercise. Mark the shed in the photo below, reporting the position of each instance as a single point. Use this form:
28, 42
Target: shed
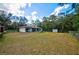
54, 30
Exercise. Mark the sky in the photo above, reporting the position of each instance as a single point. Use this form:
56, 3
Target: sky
34, 11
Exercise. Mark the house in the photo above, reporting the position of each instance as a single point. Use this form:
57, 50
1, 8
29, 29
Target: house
29, 28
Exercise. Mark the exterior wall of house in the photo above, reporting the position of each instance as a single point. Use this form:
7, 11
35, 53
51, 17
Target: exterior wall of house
30, 30
22, 29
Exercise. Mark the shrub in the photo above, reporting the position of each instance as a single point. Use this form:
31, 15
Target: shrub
1, 35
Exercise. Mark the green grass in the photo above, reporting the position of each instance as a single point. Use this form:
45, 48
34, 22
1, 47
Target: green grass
45, 43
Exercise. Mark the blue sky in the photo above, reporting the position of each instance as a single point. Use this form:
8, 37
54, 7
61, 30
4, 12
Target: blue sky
43, 9
33, 11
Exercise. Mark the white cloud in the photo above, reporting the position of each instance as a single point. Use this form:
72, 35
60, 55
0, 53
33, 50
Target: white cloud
66, 6
33, 16
4, 7
28, 17
40, 20
29, 4
59, 9
56, 11
34, 13
14, 8
23, 5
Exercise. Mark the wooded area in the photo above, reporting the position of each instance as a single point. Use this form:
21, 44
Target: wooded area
65, 23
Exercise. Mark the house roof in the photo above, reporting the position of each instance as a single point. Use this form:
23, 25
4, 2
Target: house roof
29, 26
1, 26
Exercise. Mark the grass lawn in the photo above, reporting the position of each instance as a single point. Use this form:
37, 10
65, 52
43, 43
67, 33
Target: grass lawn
39, 43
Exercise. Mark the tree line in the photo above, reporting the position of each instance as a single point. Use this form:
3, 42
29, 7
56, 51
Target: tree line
68, 22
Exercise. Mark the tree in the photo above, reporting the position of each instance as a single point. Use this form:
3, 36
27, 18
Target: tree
52, 17
45, 18
69, 22
45, 24
23, 20
65, 23
76, 17
5, 20
49, 23
38, 23
15, 26
76, 22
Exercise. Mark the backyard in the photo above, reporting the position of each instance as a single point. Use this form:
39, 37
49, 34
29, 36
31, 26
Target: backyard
39, 43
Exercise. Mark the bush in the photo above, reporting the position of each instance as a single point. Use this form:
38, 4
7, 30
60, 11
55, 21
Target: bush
1, 35
75, 33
